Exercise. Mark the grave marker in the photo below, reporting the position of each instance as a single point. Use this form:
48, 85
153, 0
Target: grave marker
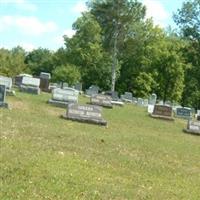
85, 113
44, 81
162, 112
184, 113
193, 127
127, 97
30, 85
3, 104
101, 100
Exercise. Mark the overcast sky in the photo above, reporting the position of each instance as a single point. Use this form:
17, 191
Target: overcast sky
42, 23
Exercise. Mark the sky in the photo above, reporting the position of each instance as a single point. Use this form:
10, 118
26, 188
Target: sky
42, 23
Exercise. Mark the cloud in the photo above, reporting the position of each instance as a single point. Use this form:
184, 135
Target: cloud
20, 4
27, 46
27, 25
79, 7
156, 10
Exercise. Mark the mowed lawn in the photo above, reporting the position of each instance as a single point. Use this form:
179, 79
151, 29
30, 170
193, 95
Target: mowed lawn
136, 157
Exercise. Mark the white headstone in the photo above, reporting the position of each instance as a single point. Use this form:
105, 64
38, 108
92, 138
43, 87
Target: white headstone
31, 81
150, 108
6, 81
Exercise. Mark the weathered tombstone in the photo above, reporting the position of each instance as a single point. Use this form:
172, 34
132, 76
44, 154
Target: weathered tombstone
152, 99
85, 113
146, 101
93, 89
8, 83
78, 86
62, 97
3, 104
161, 102
65, 85
127, 97
44, 81
162, 112
140, 102
184, 113
18, 79
115, 99
101, 100
193, 127
53, 86
168, 103
30, 85
134, 100
150, 109
198, 115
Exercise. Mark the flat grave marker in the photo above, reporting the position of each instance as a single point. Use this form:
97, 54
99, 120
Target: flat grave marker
162, 112
184, 113
193, 127
101, 100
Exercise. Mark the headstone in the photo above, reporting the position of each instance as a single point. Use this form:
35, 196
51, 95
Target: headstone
198, 115
3, 104
134, 100
65, 85
93, 90
44, 81
85, 113
127, 97
162, 112
101, 100
78, 86
62, 97
30, 85
152, 99
140, 102
161, 102
193, 127
168, 103
53, 86
150, 109
8, 83
18, 79
184, 113
146, 101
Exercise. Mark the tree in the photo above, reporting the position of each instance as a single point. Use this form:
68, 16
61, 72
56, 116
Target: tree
66, 73
188, 20
115, 17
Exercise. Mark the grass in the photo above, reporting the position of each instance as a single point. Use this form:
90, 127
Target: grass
135, 157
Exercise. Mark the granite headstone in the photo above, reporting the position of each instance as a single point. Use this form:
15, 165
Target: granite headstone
101, 100
193, 127
30, 85
162, 112
184, 113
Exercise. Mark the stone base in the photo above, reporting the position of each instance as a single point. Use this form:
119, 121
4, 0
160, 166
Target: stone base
162, 117
117, 103
192, 131
4, 105
91, 121
30, 90
61, 104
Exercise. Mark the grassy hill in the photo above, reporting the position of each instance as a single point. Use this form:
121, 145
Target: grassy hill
136, 157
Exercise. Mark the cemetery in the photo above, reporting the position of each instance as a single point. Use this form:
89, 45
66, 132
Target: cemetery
100, 100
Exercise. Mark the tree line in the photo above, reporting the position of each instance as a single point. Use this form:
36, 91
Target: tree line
117, 48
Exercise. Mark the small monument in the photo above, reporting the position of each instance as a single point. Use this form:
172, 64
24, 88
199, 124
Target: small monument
30, 85
162, 112
7, 81
193, 127
93, 89
115, 99
101, 100
146, 102
18, 79
152, 99
79, 87
140, 102
44, 81
62, 97
185, 113
85, 113
3, 104
127, 97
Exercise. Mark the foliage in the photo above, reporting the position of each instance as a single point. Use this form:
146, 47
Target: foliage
66, 73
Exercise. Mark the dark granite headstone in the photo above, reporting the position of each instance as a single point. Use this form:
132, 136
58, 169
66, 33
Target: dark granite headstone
101, 100
193, 127
184, 113
2, 96
44, 81
162, 112
85, 113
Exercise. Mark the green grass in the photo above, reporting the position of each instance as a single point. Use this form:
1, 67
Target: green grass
136, 157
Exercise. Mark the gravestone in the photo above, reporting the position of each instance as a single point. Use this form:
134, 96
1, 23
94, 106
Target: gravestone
115, 99
62, 97
193, 127
78, 86
30, 85
184, 113
140, 102
101, 100
127, 97
44, 81
146, 102
150, 109
162, 112
134, 100
53, 86
65, 85
7, 81
93, 90
85, 113
3, 104
152, 99
18, 79
198, 115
